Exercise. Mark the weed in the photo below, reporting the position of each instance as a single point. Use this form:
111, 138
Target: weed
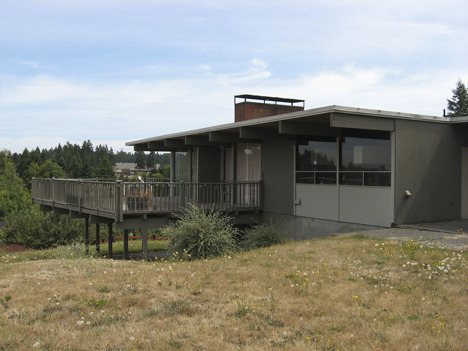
94, 303
413, 317
263, 235
200, 234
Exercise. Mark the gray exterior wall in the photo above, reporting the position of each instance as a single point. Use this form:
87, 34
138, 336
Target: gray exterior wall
209, 170
428, 165
278, 176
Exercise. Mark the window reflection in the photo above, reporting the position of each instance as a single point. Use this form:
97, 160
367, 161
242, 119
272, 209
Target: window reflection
316, 161
365, 159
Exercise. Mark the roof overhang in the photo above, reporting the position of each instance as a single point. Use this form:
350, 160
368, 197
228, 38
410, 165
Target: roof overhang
320, 121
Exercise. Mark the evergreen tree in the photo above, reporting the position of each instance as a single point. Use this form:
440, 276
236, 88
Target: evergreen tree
458, 105
150, 160
140, 160
105, 169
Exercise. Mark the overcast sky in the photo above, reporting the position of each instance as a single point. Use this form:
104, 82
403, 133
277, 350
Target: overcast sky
112, 71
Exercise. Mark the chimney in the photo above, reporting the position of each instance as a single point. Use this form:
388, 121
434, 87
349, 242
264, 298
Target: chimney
256, 106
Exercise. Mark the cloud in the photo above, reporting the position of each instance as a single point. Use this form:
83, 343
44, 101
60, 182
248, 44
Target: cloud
139, 108
256, 71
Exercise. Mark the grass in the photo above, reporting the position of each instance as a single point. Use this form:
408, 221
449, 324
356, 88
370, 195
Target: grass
78, 251
135, 246
338, 293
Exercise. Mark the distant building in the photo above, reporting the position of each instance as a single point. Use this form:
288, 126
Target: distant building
127, 169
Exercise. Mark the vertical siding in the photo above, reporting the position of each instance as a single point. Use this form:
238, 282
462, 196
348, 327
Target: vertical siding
428, 165
209, 170
278, 176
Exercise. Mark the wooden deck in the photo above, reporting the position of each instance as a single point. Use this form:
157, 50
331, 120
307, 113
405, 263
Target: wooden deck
142, 205
117, 200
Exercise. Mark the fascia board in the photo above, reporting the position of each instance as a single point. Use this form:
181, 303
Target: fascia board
235, 126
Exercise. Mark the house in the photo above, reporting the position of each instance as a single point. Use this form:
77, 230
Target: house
315, 172
333, 168
127, 169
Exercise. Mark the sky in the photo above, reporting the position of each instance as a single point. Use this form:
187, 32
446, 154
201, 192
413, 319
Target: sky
112, 71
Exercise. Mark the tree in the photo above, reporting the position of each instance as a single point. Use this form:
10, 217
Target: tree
50, 169
140, 160
458, 105
105, 169
13, 194
150, 160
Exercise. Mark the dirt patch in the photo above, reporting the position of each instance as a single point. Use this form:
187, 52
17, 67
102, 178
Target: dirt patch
14, 248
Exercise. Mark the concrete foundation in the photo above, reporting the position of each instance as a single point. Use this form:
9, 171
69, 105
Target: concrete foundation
304, 228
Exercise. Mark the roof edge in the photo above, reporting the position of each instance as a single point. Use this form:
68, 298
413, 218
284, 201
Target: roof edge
305, 113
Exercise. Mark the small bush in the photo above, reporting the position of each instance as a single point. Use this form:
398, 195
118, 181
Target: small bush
200, 234
38, 230
263, 235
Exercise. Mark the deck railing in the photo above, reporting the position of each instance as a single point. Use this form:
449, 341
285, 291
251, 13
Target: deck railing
115, 199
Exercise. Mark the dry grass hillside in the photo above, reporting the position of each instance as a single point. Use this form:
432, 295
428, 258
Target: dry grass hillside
340, 293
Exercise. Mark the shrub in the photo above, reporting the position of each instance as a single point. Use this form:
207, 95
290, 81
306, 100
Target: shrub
200, 234
2, 238
35, 229
263, 235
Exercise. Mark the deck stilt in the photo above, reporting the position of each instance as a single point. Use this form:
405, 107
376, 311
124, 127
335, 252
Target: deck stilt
87, 235
98, 238
144, 243
125, 248
110, 239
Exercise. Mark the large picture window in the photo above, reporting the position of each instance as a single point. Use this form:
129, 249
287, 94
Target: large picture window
360, 157
316, 161
365, 158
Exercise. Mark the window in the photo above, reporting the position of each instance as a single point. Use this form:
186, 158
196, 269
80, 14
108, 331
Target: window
181, 166
365, 158
248, 162
316, 161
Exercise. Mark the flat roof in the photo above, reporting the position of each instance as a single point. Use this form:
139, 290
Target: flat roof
267, 98
302, 115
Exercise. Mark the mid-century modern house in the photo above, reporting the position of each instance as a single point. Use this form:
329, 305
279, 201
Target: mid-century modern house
315, 171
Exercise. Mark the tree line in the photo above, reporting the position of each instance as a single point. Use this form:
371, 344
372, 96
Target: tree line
81, 161
24, 224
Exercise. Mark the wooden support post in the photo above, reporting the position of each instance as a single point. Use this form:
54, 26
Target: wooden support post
98, 238
87, 235
144, 243
110, 239
125, 249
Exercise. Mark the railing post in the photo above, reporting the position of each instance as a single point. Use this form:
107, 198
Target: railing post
118, 201
53, 194
182, 194
80, 194
97, 198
